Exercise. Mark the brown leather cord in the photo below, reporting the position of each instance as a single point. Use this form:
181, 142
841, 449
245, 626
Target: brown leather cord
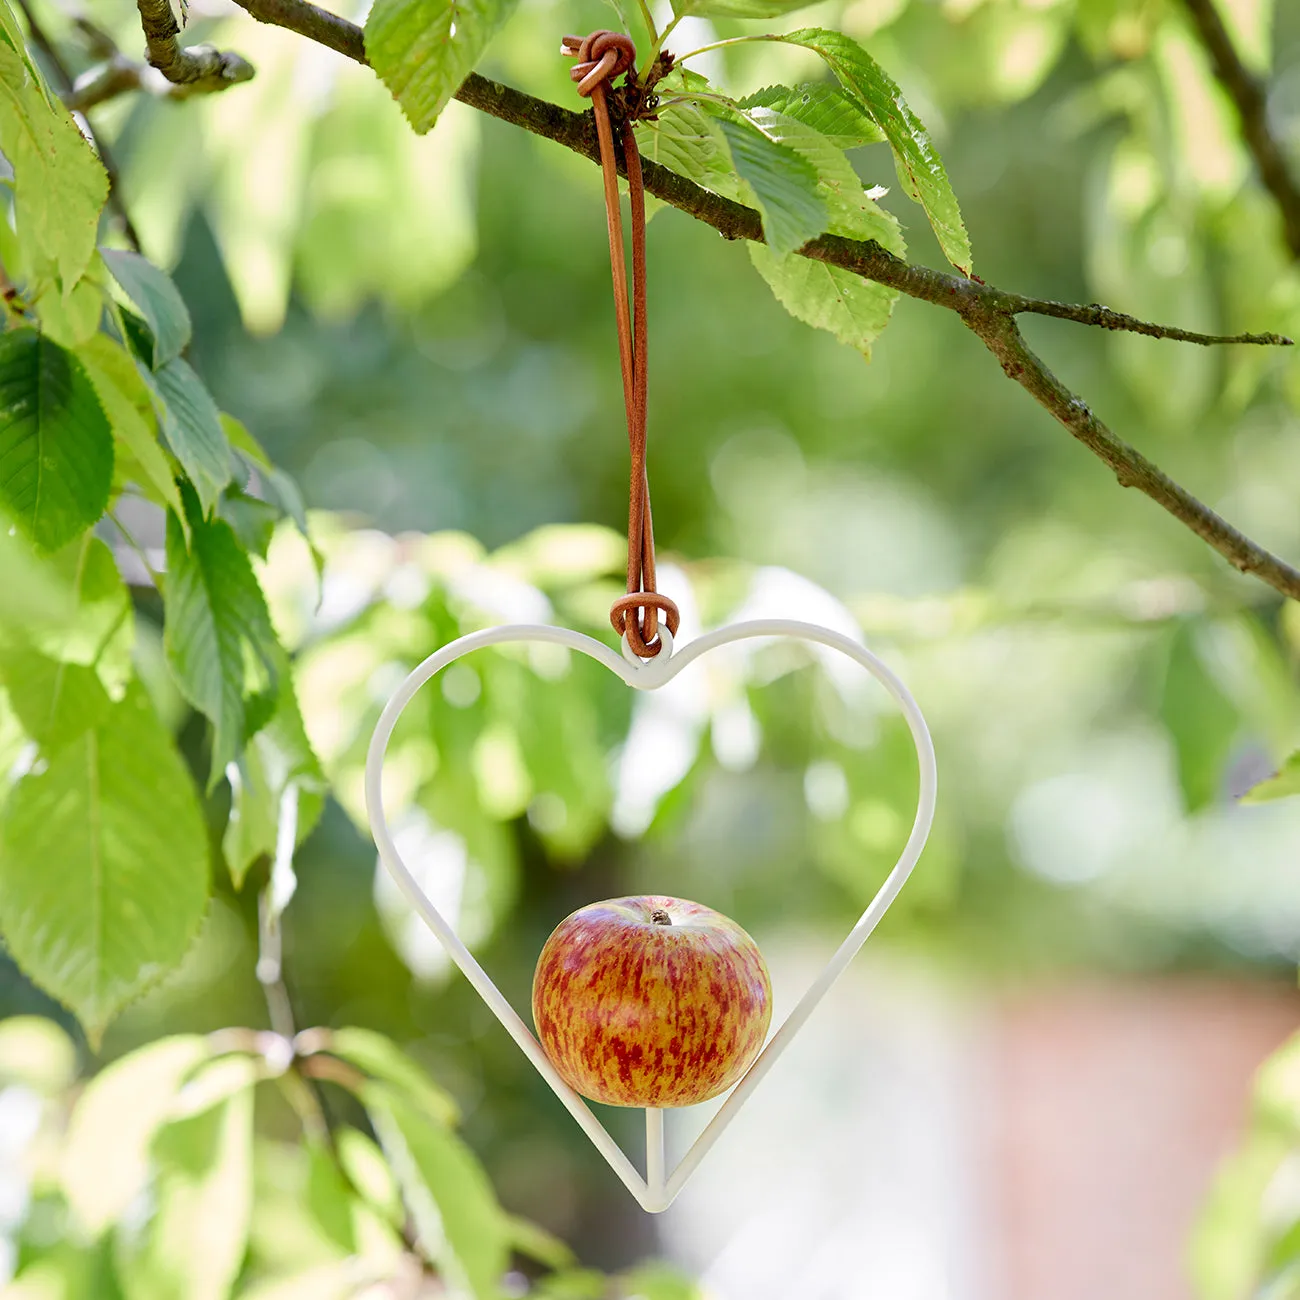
602, 56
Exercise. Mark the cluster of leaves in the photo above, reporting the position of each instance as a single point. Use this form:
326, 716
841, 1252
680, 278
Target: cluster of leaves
150, 1180
104, 872
781, 150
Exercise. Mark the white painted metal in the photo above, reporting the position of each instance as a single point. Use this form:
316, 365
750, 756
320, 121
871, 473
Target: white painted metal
651, 1192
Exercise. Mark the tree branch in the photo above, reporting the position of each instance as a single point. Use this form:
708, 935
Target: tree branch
197, 70
987, 311
1251, 103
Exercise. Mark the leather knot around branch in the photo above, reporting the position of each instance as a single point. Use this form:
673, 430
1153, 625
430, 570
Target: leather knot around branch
601, 57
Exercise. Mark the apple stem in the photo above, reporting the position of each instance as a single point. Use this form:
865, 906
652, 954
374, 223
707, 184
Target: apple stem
654, 1152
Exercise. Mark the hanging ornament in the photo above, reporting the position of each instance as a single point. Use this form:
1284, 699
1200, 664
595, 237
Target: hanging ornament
651, 1002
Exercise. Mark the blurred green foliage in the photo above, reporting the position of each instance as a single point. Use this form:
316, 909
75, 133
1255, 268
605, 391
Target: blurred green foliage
410, 335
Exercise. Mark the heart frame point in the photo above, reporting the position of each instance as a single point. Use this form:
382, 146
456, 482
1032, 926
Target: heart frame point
657, 1191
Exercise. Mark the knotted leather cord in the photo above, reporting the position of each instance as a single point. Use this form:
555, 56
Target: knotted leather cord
601, 57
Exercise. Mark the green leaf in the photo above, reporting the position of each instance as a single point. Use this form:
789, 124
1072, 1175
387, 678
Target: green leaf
685, 140
447, 1192
55, 702
367, 1170
56, 448
92, 624
1285, 781
655, 1281
920, 169
193, 1245
826, 108
72, 318
60, 186
217, 633
828, 298
126, 401
382, 1059
63, 1272
278, 757
192, 427
1202, 722
533, 1241
105, 1160
251, 519
855, 310
573, 1284
783, 182
273, 485
157, 297
423, 49
329, 1198
104, 864
737, 8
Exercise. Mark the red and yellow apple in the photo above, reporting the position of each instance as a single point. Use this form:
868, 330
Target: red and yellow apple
651, 1001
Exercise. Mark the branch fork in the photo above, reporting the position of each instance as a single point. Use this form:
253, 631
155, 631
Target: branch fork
990, 313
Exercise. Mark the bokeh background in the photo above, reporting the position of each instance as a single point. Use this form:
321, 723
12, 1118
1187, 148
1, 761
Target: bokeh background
1035, 1079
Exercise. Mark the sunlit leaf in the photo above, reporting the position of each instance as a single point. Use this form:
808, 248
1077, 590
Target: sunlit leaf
737, 8
127, 404
37, 1053
656, 1281
685, 140
56, 447
825, 107
533, 1241
446, 1190
920, 168
91, 621
70, 319
341, 1279
60, 184
192, 1246
106, 1152
381, 1058
367, 1170
55, 702
217, 632
64, 1272
423, 49
103, 864
153, 292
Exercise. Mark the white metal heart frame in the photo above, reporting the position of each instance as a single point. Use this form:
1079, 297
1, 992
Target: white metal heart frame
657, 1190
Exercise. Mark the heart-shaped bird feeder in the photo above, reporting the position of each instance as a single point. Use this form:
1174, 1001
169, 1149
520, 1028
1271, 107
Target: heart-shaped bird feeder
657, 1189
647, 622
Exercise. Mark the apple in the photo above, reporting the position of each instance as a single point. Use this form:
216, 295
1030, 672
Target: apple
651, 1001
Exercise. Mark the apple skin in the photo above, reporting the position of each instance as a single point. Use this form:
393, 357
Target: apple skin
636, 1012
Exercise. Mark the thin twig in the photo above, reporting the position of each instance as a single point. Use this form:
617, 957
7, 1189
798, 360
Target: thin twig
1104, 318
1251, 102
196, 70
